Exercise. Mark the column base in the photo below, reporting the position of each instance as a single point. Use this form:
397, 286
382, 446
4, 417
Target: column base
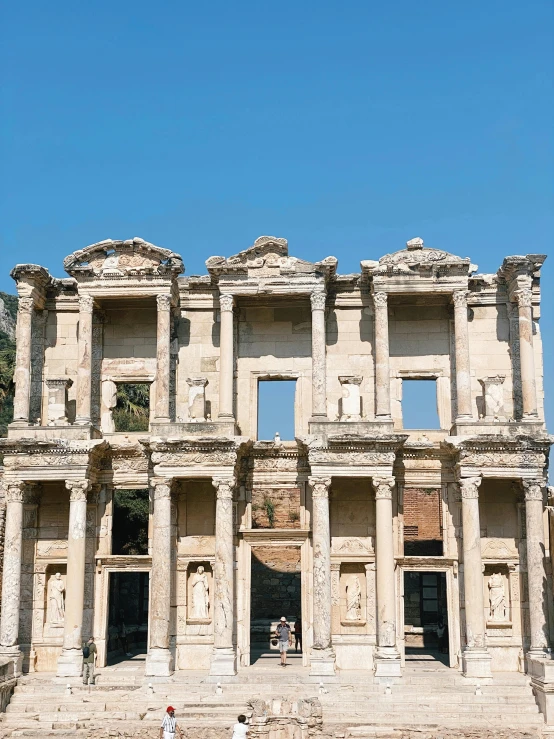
224, 662
387, 662
159, 663
322, 662
476, 663
70, 663
15, 656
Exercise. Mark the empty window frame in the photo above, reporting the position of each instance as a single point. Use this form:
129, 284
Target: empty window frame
276, 409
132, 411
419, 404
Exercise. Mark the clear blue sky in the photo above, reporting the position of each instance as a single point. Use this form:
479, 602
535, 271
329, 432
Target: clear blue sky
347, 128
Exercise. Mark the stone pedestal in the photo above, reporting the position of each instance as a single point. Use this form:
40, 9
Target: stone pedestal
351, 400
382, 360
319, 358
70, 662
387, 657
536, 575
226, 358
159, 661
461, 339
197, 399
493, 397
322, 658
57, 400
224, 661
84, 365
22, 372
476, 659
524, 298
11, 581
163, 357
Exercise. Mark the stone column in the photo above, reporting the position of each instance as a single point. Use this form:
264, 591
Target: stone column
22, 374
84, 361
70, 661
382, 369
319, 364
476, 660
322, 657
536, 575
387, 657
11, 581
526, 353
461, 340
224, 660
226, 359
370, 596
163, 357
159, 660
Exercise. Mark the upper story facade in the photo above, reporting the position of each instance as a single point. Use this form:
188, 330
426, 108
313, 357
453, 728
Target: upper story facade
126, 314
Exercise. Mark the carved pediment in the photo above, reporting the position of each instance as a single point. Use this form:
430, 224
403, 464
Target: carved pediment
421, 260
116, 259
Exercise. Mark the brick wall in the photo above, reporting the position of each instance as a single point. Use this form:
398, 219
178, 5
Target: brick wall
282, 503
422, 514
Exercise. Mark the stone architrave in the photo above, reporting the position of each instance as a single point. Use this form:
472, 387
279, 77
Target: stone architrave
382, 358
197, 399
84, 363
524, 297
351, 400
226, 360
322, 657
22, 372
70, 661
319, 359
224, 656
57, 400
461, 342
493, 395
536, 575
476, 660
163, 356
160, 660
387, 658
11, 578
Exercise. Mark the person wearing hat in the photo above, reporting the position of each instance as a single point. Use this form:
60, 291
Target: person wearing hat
284, 635
169, 727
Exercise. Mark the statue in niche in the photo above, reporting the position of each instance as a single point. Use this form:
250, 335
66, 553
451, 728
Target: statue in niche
200, 594
56, 604
497, 597
354, 600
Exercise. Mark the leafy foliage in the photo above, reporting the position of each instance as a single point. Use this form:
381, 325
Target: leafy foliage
130, 522
132, 411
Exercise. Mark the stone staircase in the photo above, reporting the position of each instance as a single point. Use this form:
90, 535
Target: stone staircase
41, 704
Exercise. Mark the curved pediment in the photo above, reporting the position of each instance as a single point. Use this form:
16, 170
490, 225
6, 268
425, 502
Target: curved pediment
118, 259
415, 257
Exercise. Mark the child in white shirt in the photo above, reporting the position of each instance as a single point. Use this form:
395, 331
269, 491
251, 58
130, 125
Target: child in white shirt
241, 729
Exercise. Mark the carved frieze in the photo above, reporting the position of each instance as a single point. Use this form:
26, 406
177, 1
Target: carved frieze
194, 457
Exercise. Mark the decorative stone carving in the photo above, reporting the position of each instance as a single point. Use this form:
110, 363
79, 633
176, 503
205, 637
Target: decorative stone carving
497, 597
533, 490
226, 302
354, 600
380, 299
197, 399
56, 601
494, 397
78, 489
57, 400
200, 595
318, 300
351, 400
469, 487
383, 487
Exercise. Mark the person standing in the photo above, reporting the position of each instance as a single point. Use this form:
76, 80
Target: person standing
169, 727
284, 635
89, 658
297, 634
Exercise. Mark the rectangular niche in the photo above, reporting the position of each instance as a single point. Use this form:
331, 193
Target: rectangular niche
199, 594
498, 610
353, 596
54, 599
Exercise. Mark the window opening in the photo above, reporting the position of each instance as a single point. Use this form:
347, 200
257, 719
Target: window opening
276, 409
419, 404
132, 410
130, 522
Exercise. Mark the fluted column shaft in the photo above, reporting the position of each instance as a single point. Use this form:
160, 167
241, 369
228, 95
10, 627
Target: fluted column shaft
226, 359
84, 360
382, 361
70, 660
224, 659
526, 352
461, 340
476, 660
163, 356
319, 357
22, 374
11, 578
536, 575
160, 660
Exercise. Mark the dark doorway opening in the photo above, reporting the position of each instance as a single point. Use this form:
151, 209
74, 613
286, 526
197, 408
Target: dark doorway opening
128, 616
130, 522
275, 592
426, 617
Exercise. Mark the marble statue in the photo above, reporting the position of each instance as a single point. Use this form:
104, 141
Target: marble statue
497, 597
354, 600
56, 604
200, 594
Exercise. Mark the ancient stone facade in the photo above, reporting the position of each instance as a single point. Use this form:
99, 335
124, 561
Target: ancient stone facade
330, 503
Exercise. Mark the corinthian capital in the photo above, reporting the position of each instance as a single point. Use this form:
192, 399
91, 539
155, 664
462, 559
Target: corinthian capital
320, 486
226, 302
318, 299
163, 301
224, 487
25, 305
383, 487
78, 489
14, 492
459, 298
469, 487
524, 297
380, 299
161, 487
86, 304
533, 489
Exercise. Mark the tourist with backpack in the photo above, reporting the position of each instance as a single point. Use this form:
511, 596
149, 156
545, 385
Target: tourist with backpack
284, 635
89, 658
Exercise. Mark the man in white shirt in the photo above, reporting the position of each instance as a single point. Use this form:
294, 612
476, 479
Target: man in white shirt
169, 727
